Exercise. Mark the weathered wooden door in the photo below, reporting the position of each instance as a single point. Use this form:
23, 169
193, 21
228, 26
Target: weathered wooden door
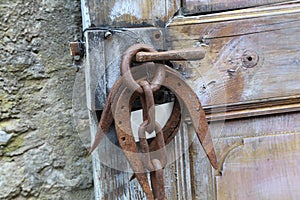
248, 82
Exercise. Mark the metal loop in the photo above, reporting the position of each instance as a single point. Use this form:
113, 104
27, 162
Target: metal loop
126, 72
157, 180
158, 79
148, 105
161, 145
159, 154
145, 146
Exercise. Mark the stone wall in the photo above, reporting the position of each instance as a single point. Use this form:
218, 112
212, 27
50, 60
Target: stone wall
41, 156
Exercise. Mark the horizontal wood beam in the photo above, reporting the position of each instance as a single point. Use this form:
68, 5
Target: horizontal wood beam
131, 13
241, 14
253, 108
205, 6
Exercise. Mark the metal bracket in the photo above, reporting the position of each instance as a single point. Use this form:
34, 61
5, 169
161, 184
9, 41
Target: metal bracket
77, 51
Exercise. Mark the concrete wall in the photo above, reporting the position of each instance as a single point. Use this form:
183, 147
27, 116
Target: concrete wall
41, 156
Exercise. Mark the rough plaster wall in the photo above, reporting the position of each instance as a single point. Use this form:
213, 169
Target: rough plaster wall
44, 158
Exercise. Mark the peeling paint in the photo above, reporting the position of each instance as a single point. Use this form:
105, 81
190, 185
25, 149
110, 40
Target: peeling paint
120, 8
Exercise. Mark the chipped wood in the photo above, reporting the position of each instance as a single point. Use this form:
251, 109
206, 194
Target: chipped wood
95, 69
85, 13
132, 13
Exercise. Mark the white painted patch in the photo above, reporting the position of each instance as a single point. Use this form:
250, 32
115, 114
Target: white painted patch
162, 114
129, 8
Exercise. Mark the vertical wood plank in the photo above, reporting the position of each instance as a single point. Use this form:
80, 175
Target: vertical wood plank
171, 174
95, 69
85, 13
109, 182
96, 163
201, 171
183, 164
177, 173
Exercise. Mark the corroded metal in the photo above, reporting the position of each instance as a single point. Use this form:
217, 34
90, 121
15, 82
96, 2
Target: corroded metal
175, 55
149, 119
126, 63
157, 180
176, 84
181, 89
118, 108
148, 104
77, 50
160, 151
107, 117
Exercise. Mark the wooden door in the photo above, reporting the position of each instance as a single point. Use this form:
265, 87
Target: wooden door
248, 82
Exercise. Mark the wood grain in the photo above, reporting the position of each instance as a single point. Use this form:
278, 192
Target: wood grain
253, 108
262, 168
222, 78
255, 12
132, 13
206, 6
85, 13
95, 69
227, 136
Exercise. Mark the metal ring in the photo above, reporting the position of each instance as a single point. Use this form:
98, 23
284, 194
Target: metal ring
157, 180
159, 154
148, 105
161, 145
146, 159
126, 72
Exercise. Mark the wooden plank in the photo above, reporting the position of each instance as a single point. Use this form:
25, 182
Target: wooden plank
110, 182
257, 126
201, 171
207, 6
182, 143
85, 13
267, 11
253, 108
262, 168
229, 135
132, 13
222, 77
177, 171
95, 69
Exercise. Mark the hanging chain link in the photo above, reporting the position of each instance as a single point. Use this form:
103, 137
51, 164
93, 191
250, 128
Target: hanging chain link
155, 160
